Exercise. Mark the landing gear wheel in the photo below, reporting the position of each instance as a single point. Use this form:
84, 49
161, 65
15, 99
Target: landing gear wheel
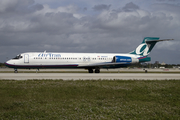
90, 70
15, 71
97, 70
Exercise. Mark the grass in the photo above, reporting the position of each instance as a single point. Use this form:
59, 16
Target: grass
92, 99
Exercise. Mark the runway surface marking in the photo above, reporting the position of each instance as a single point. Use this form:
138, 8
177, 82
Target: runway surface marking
87, 76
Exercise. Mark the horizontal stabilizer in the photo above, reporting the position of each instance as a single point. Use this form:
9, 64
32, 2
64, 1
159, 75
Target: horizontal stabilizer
158, 40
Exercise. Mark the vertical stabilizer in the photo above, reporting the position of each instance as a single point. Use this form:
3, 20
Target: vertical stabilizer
146, 46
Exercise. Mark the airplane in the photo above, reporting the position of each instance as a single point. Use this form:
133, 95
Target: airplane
91, 61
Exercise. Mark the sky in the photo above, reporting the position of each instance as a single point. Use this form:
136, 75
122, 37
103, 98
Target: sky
91, 26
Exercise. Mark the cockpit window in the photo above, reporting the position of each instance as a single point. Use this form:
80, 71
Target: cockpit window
18, 57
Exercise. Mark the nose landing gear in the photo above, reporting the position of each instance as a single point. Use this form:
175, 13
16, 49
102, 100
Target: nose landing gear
15, 70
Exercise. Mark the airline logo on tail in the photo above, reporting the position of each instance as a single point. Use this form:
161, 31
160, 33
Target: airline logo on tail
147, 45
142, 49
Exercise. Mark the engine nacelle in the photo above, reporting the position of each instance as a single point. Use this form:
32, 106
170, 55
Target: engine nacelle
124, 59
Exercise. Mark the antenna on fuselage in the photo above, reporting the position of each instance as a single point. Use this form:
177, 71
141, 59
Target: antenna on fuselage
45, 51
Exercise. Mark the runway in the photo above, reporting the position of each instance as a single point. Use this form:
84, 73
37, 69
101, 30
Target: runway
87, 76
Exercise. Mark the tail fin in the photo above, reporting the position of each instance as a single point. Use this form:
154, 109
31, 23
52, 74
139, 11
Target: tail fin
147, 45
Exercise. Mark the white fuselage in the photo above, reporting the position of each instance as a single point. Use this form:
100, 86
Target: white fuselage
68, 60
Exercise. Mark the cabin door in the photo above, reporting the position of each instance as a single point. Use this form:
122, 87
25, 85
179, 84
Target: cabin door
26, 58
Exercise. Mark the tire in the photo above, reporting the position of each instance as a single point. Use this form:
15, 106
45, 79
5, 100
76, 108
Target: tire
97, 71
90, 70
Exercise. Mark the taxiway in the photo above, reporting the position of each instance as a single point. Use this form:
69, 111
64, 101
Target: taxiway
87, 76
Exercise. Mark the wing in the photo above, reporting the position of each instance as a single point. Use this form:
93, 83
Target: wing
106, 64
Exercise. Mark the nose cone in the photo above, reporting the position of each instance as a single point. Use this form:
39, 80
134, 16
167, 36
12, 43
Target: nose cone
9, 63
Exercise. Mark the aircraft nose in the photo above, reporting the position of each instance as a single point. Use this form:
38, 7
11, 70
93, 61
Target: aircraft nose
8, 63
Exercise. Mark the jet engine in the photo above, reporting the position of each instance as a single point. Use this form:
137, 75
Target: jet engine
124, 59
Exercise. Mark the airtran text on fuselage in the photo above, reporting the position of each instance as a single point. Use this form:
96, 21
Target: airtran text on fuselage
49, 55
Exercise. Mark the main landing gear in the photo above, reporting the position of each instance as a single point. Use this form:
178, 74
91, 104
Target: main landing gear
90, 70
97, 70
